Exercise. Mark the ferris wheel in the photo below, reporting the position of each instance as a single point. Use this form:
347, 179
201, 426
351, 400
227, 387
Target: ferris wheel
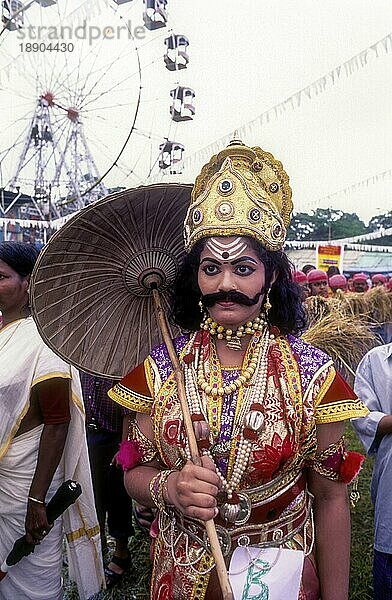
93, 101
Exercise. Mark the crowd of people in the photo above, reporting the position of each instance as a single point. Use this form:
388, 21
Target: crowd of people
315, 282
267, 411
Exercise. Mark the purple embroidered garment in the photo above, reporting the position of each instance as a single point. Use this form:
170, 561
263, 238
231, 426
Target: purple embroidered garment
309, 360
161, 356
227, 417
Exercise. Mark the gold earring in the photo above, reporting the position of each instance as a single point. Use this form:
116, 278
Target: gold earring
267, 303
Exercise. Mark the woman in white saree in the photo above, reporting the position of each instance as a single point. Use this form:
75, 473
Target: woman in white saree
42, 444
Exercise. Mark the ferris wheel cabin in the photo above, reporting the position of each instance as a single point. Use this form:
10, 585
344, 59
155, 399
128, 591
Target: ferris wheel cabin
176, 56
155, 14
12, 14
182, 108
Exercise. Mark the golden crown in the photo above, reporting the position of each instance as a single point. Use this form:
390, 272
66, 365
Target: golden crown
240, 191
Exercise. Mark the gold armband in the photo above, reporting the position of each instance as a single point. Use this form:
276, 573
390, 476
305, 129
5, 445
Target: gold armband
329, 461
147, 447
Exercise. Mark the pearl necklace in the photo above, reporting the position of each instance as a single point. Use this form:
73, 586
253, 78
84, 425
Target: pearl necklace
243, 379
233, 339
249, 420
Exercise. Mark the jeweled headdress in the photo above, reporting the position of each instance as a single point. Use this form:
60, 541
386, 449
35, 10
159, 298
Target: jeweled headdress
240, 191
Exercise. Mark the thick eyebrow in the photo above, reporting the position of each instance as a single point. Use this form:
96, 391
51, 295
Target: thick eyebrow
243, 258
208, 259
233, 262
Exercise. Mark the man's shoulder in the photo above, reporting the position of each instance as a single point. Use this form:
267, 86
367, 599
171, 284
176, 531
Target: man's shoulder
159, 353
384, 351
376, 355
305, 352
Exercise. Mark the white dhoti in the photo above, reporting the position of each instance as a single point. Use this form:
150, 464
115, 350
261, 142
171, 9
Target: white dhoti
37, 576
25, 361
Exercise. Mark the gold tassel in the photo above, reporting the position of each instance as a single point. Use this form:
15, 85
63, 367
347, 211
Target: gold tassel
354, 493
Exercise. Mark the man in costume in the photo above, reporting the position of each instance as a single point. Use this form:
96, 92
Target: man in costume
373, 382
318, 283
267, 408
42, 444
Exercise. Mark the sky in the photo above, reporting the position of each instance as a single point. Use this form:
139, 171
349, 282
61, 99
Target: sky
245, 57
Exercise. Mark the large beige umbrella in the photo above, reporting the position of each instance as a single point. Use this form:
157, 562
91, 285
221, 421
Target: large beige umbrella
90, 292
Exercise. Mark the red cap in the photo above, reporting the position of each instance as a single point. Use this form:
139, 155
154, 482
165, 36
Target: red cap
317, 275
337, 281
379, 278
360, 277
299, 276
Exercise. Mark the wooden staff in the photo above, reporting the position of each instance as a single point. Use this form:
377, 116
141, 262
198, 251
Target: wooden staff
179, 375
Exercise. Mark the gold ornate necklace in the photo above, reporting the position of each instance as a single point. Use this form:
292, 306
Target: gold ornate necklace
233, 339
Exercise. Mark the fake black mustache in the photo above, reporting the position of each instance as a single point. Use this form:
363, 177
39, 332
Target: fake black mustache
232, 296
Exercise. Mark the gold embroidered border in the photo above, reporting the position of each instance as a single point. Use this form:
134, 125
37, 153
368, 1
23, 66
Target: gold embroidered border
147, 447
72, 536
271, 490
54, 375
317, 464
340, 411
158, 549
154, 375
77, 401
201, 581
5, 445
310, 388
293, 380
325, 386
166, 391
149, 376
130, 399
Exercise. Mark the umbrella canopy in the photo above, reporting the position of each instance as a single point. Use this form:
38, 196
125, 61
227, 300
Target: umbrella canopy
90, 291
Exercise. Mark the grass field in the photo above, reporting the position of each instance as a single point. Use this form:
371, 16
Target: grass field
361, 530
135, 584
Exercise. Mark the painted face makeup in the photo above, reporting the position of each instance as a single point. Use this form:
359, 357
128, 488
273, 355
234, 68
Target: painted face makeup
226, 250
231, 279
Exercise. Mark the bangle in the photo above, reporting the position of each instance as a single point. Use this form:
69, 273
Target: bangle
158, 485
36, 500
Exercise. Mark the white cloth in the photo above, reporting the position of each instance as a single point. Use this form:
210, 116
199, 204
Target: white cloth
373, 385
25, 361
266, 573
16, 472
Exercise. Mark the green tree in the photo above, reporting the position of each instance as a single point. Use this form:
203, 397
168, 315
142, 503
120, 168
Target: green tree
381, 221
324, 224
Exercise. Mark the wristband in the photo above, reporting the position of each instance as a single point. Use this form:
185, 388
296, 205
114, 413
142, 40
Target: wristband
36, 500
158, 485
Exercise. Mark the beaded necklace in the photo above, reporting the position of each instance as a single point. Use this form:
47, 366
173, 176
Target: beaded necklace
233, 338
248, 419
